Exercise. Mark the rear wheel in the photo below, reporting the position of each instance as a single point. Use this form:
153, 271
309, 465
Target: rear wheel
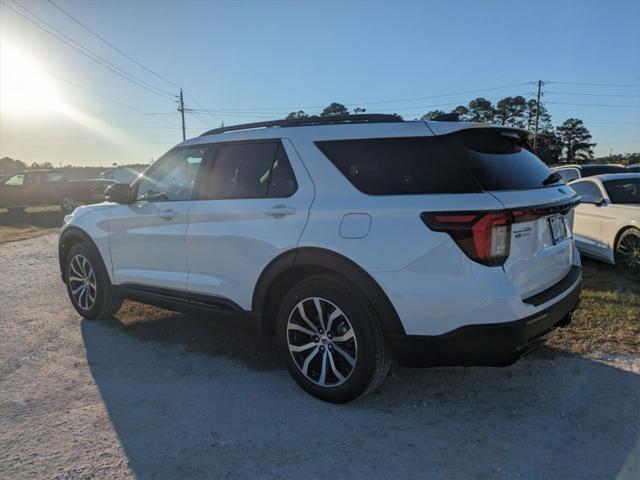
331, 339
88, 285
628, 253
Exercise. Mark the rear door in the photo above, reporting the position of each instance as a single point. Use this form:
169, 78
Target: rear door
254, 207
541, 249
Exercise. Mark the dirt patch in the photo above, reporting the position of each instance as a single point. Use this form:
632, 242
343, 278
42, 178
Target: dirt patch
33, 222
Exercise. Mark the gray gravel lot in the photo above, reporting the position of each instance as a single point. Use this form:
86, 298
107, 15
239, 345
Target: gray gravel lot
154, 394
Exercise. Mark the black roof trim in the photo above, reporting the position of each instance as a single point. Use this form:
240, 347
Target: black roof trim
305, 121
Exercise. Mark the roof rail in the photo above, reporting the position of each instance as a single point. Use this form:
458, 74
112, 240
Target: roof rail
305, 121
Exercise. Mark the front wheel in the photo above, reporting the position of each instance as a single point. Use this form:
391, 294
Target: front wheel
88, 285
331, 339
69, 204
628, 253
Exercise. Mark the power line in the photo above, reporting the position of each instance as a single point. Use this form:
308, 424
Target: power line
379, 102
112, 46
86, 52
592, 94
593, 105
117, 102
614, 85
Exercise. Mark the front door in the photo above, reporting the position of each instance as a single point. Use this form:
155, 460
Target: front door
147, 237
254, 208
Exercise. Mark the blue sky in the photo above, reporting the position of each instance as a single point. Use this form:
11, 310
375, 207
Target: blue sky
252, 60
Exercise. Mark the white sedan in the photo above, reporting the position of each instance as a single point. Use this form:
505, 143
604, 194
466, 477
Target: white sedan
607, 221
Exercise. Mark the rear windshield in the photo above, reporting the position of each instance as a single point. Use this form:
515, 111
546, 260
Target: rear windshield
498, 160
463, 162
626, 190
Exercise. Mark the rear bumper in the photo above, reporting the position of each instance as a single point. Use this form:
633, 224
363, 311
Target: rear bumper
495, 344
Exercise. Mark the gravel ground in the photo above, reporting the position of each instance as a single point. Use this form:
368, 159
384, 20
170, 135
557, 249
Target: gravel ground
154, 394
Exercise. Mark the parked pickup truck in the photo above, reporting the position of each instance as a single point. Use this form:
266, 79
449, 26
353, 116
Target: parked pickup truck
32, 188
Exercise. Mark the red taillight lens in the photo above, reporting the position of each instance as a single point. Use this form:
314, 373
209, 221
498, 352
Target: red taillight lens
484, 237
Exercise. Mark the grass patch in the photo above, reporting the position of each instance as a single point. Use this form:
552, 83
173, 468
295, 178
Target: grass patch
33, 222
608, 319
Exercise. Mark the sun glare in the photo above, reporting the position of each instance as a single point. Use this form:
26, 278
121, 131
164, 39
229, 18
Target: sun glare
24, 87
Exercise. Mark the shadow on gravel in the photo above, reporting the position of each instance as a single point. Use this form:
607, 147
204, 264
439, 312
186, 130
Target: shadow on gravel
208, 399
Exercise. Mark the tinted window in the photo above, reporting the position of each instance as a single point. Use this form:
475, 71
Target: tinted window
283, 181
174, 176
251, 170
55, 177
623, 190
395, 166
497, 160
590, 170
586, 189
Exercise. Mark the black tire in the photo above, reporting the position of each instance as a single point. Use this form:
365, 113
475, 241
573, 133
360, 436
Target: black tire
105, 303
369, 345
627, 253
68, 205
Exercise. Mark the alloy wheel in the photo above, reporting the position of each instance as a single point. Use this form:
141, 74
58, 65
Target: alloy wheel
628, 253
82, 282
322, 342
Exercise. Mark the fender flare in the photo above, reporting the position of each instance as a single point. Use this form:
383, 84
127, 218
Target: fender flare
330, 261
69, 237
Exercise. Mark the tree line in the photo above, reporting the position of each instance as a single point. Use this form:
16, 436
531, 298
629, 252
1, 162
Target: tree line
570, 142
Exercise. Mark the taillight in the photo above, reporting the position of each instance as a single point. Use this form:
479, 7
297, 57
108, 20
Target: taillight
484, 237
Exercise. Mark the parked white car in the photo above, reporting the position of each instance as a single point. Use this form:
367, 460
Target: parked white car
607, 222
352, 238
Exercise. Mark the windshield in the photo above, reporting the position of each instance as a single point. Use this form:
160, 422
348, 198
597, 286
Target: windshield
624, 190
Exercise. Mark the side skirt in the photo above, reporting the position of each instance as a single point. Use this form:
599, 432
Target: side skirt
190, 303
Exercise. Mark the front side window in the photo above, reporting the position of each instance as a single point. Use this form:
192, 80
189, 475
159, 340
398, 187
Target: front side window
16, 180
174, 178
587, 190
251, 170
624, 190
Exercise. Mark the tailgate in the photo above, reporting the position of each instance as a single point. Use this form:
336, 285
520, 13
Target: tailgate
538, 257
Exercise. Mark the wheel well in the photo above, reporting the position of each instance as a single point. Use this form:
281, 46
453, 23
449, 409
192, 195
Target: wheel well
293, 266
69, 238
279, 288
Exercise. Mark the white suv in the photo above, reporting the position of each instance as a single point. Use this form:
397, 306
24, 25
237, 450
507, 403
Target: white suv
353, 238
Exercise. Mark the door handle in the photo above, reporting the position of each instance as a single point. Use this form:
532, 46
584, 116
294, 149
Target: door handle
169, 214
280, 211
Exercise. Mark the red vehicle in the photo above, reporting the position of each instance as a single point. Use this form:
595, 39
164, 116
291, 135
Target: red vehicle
31, 188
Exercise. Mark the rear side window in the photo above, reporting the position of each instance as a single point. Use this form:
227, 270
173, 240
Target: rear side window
626, 190
497, 160
251, 170
397, 166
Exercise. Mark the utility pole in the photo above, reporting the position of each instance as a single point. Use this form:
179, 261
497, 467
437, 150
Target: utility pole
181, 110
535, 132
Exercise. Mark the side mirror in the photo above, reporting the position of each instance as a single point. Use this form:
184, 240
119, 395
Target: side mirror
118, 193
